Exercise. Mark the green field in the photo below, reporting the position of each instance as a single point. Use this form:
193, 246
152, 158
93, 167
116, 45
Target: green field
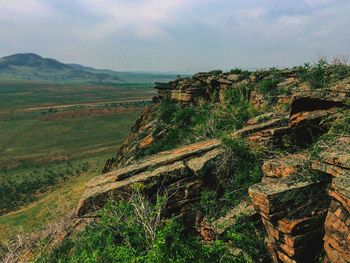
53, 139
15, 95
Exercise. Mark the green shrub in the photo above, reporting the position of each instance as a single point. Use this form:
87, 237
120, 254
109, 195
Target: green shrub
132, 231
216, 72
316, 74
235, 71
249, 237
247, 171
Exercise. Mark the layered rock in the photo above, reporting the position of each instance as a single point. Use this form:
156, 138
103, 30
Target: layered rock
292, 198
293, 209
180, 174
265, 132
335, 160
300, 206
284, 166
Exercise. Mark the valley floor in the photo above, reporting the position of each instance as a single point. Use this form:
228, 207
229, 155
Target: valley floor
53, 139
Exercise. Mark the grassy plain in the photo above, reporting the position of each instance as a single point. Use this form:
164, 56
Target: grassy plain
53, 139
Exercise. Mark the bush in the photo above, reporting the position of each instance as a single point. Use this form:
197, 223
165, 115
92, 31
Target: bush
245, 171
316, 74
248, 237
133, 231
216, 72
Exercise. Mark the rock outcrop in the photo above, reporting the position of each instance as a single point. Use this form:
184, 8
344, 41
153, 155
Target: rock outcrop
294, 199
335, 160
293, 210
303, 201
180, 174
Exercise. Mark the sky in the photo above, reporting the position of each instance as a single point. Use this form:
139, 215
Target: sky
177, 35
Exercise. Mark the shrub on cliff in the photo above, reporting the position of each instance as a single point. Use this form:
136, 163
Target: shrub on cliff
134, 231
323, 74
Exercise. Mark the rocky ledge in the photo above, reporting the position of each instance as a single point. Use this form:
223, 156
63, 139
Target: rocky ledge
303, 199
181, 174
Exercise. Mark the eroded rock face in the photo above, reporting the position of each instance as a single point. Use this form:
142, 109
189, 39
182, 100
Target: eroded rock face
335, 160
300, 206
182, 173
293, 210
265, 132
321, 99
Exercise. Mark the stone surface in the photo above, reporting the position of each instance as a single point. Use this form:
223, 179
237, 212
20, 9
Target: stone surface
293, 209
284, 166
334, 160
267, 132
181, 173
293, 199
321, 99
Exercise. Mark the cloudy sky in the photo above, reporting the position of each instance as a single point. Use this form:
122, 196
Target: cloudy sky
176, 35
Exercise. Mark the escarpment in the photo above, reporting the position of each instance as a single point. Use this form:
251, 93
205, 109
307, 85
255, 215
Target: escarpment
190, 142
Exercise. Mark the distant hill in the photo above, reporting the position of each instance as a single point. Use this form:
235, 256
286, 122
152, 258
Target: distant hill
29, 66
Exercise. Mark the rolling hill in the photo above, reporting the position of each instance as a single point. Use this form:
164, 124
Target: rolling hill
30, 66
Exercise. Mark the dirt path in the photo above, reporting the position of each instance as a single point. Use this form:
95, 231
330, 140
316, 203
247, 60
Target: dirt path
85, 104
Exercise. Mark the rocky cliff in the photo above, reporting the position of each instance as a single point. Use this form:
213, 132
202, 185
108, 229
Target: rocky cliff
277, 142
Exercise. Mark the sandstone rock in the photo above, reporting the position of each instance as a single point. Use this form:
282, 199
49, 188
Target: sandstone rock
182, 173
343, 87
146, 142
212, 81
311, 118
233, 77
334, 160
293, 210
284, 166
244, 211
337, 237
225, 81
257, 100
201, 76
250, 129
321, 99
298, 191
268, 133
287, 82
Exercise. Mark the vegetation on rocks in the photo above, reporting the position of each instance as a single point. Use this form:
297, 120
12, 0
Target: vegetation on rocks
135, 231
260, 139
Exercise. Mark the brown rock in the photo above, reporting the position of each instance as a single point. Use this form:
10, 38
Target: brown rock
233, 77
182, 173
146, 142
285, 166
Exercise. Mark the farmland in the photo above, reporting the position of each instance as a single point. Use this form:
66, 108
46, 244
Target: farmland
54, 138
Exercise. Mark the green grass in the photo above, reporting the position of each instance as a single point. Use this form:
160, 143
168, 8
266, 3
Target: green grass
16, 95
25, 136
123, 235
46, 153
49, 206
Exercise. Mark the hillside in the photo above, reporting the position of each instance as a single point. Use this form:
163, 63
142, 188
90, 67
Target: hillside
232, 166
29, 66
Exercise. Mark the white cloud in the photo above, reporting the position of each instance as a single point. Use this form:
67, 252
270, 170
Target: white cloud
17, 10
145, 18
176, 34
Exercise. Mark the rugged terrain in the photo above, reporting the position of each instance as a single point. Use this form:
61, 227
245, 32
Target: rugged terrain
252, 166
